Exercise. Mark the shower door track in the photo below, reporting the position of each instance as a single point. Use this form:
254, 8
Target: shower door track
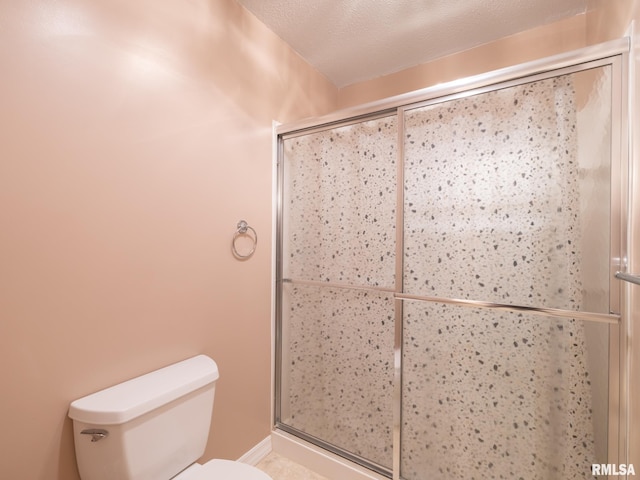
395, 106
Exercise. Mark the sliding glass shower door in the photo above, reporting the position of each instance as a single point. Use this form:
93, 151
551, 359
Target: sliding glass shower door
337, 311
507, 202
446, 305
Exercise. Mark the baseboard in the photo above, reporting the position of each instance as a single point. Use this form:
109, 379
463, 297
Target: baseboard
257, 453
320, 461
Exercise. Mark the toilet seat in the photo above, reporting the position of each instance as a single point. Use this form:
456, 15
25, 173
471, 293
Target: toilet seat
218, 469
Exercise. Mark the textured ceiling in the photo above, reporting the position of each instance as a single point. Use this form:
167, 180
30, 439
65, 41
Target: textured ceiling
355, 40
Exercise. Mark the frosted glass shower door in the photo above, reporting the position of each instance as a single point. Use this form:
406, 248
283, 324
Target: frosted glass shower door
507, 203
337, 306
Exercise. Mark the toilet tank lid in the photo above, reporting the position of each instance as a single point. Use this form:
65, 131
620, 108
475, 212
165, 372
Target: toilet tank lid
128, 400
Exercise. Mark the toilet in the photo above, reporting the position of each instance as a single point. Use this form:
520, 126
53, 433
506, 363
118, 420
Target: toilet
153, 427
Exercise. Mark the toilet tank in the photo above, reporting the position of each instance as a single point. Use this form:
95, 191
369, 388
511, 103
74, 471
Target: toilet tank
148, 428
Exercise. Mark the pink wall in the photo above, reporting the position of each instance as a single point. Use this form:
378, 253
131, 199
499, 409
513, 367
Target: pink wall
621, 16
605, 20
133, 137
530, 45
634, 262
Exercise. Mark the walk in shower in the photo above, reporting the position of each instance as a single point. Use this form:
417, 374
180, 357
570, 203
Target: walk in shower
446, 305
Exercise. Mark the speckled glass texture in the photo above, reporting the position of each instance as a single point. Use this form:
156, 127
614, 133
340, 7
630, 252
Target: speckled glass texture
339, 205
337, 367
501, 395
506, 200
497, 189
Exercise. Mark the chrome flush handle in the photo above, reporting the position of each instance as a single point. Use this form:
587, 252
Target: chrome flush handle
96, 433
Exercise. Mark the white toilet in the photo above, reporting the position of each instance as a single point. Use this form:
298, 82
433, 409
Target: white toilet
153, 427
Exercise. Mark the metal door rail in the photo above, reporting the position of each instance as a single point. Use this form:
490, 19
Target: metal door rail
628, 277
612, 318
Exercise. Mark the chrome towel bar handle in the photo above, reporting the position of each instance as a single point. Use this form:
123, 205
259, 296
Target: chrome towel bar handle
628, 277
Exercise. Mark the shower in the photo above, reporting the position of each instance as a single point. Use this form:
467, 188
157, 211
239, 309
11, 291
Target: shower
446, 306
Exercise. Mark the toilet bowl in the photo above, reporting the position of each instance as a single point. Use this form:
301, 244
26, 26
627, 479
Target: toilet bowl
153, 427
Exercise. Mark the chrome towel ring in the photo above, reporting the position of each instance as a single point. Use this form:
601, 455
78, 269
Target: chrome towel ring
243, 230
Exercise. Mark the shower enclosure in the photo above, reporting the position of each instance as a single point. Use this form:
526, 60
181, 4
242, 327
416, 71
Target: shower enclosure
446, 303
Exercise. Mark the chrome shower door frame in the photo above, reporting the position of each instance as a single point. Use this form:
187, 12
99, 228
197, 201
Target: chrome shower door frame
613, 53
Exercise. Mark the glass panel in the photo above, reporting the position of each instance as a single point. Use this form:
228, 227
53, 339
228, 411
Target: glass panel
507, 195
339, 204
494, 394
337, 368
507, 200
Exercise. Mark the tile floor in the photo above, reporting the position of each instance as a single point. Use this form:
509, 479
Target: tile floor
281, 468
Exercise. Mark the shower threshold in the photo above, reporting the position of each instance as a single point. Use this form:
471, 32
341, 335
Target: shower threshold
322, 460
